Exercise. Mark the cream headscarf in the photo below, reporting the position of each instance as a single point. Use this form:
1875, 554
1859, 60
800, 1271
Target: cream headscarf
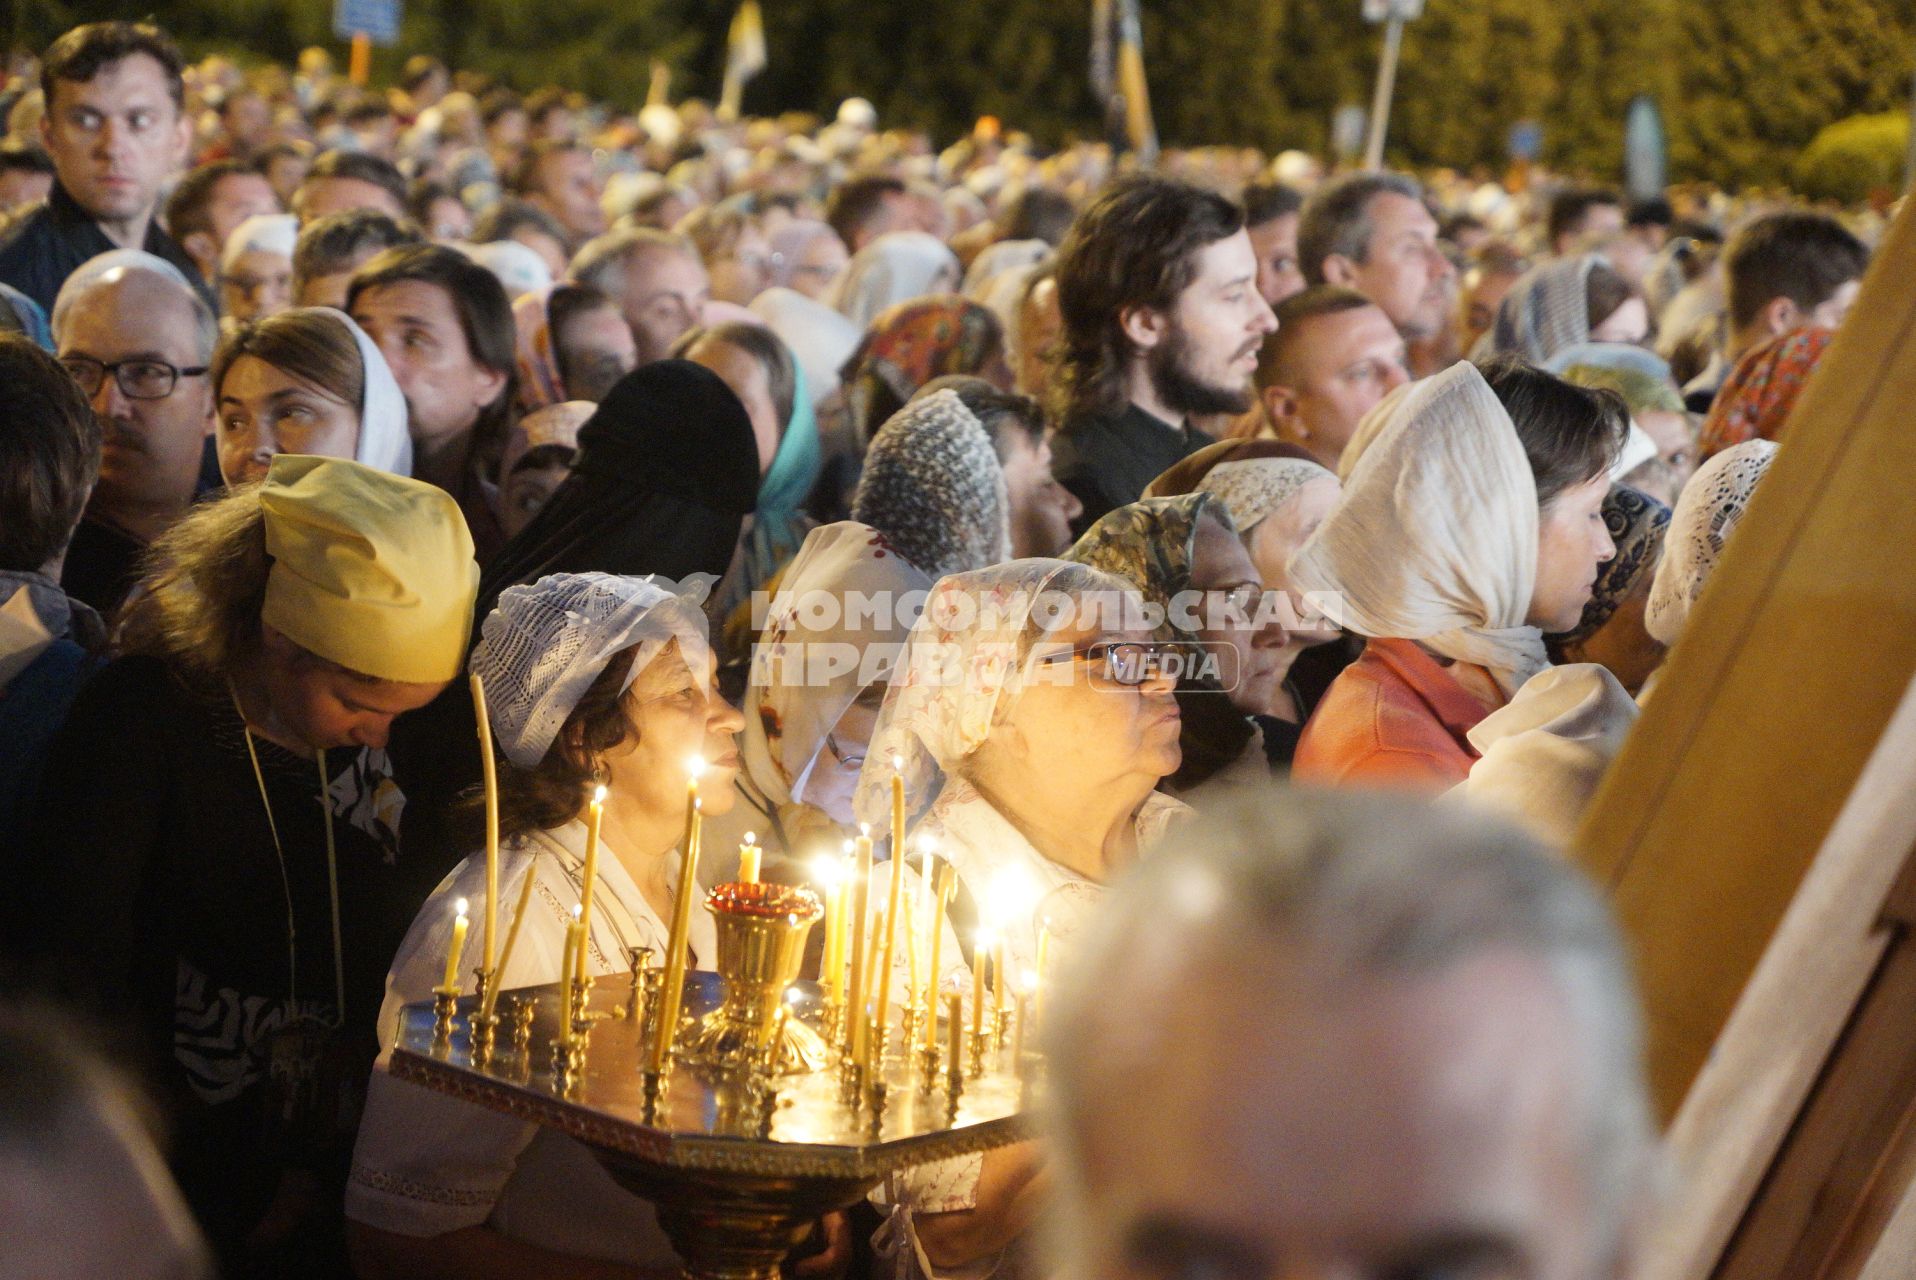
840, 617
969, 655
1435, 538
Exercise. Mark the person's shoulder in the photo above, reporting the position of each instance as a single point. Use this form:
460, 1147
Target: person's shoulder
138, 685
1373, 726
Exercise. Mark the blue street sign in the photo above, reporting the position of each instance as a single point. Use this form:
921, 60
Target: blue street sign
1526, 141
376, 19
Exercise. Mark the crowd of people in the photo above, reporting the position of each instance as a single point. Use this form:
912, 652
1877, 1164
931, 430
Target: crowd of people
1172, 489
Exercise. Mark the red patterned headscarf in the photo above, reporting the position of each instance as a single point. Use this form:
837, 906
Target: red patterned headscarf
1757, 397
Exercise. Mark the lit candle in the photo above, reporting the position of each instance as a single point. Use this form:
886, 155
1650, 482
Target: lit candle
1018, 1024
748, 854
938, 897
457, 950
595, 813
861, 900
677, 948
491, 774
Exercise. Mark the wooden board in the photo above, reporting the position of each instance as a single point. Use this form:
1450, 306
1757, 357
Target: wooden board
1777, 696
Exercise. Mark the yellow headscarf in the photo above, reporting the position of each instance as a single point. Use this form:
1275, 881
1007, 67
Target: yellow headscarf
370, 570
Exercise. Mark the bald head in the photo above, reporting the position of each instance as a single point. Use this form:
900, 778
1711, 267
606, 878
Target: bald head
1356, 1035
139, 299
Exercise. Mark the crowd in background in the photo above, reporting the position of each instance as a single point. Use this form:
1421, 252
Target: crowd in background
321, 397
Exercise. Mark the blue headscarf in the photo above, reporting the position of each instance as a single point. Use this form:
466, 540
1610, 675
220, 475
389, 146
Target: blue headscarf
780, 525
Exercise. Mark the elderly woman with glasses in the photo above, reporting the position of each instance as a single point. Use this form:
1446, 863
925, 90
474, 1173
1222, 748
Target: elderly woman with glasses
1185, 558
1036, 692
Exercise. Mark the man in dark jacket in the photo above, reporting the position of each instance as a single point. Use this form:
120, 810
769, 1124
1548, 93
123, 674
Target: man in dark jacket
116, 128
1157, 287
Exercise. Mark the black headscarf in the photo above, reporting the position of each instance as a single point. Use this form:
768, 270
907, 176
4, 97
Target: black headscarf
666, 474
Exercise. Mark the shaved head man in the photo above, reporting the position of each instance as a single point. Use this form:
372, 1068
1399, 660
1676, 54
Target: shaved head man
1334, 356
1340, 1036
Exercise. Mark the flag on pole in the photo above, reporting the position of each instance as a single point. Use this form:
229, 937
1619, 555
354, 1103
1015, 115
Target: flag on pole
1117, 76
744, 56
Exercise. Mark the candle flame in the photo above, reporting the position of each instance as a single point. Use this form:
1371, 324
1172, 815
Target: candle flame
460, 906
598, 796
1013, 894
751, 837
848, 848
828, 873
578, 910
927, 843
1028, 983
897, 764
695, 766
864, 828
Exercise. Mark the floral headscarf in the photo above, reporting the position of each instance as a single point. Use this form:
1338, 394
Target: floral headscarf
1150, 544
910, 345
1757, 397
1258, 488
535, 354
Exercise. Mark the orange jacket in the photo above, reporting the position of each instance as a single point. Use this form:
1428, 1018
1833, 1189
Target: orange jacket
1395, 718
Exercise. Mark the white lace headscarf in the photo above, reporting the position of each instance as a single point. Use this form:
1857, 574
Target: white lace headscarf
543, 645
969, 656
1435, 538
1707, 512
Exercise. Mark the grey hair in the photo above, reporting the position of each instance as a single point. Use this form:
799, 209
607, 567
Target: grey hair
602, 260
1337, 219
1370, 886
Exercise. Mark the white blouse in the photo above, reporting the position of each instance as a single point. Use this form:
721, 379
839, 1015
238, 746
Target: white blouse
426, 1163
982, 846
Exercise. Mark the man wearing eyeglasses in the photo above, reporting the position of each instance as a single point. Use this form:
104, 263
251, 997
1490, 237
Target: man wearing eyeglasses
138, 342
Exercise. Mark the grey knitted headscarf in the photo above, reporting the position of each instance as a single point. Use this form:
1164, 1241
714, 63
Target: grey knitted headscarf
933, 486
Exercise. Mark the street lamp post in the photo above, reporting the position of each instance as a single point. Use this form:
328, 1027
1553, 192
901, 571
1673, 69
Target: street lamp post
1393, 14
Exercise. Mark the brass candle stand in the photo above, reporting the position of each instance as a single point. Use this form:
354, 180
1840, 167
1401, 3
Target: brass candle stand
742, 1141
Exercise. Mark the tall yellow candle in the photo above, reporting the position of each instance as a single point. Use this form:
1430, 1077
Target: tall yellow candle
569, 962
887, 952
512, 939
748, 855
927, 907
678, 946
912, 934
458, 948
954, 1034
829, 874
981, 958
939, 895
491, 773
861, 899
1037, 982
594, 815
1000, 996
